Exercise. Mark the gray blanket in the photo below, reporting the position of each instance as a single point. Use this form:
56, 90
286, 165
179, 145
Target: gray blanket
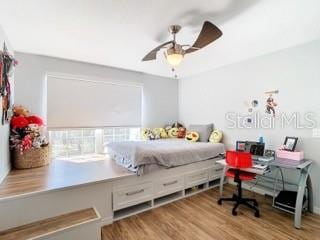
167, 153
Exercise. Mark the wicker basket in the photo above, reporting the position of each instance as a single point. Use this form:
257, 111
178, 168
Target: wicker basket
32, 158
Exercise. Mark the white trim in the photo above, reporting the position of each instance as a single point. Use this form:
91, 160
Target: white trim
316, 210
5, 174
105, 221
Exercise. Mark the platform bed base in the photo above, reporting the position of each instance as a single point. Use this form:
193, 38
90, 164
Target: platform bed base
135, 194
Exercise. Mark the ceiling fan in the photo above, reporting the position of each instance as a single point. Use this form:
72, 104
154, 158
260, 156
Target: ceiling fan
175, 52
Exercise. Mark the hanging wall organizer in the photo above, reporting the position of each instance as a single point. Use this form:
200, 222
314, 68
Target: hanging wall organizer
7, 63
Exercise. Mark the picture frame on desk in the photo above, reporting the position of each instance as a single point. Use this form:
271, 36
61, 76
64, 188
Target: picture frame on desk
290, 144
241, 146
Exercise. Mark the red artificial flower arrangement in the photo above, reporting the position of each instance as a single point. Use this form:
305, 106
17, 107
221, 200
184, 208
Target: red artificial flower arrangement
22, 121
26, 131
19, 122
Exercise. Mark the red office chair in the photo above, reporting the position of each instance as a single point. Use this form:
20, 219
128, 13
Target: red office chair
236, 161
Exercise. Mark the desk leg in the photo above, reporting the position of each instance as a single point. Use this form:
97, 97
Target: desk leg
222, 179
310, 194
299, 202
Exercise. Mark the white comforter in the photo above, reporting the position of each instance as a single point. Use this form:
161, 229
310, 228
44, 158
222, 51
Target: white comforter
167, 153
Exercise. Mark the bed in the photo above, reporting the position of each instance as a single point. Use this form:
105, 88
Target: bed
144, 157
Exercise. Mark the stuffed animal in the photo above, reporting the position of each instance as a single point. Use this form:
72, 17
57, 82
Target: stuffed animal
173, 132
192, 136
20, 111
149, 134
216, 136
161, 132
144, 133
176, 125
167, 128
182, 132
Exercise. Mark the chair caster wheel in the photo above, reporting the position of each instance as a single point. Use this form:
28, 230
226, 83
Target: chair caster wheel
257, 214
234, 213
219, 202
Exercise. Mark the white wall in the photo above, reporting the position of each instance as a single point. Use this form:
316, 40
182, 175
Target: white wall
160, 104
4, 130
295, 72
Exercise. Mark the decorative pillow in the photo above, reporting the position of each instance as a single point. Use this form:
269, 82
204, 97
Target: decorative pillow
204, 131
161, 132
182, 132
216, 136
192, 136
173, 132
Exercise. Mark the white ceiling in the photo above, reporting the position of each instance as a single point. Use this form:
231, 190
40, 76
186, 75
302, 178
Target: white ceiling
120, 32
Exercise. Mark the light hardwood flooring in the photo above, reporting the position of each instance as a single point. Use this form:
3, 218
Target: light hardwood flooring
200, 217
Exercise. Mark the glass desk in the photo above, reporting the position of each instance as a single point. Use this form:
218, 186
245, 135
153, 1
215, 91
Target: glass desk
304, 182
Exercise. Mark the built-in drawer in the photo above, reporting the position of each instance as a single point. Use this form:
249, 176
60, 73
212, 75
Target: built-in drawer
168, 186
132, 195
196, 178
215, 172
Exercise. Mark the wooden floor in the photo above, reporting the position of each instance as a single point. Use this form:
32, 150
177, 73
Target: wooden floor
200, 217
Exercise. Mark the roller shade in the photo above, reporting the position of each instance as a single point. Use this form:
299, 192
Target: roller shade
75, 102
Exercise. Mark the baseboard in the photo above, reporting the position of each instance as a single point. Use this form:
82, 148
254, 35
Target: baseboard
106, 221
316, 210
3, 176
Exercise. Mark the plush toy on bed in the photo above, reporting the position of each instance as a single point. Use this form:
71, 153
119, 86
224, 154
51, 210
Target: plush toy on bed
148, 134
177, 125
161, 132
216, 136
192, 136
182, 132
173, 132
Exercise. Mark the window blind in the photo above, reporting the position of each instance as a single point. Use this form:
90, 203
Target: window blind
76, 102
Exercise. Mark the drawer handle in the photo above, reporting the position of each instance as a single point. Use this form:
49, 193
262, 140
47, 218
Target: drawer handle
135, 192
170, 183
218, 170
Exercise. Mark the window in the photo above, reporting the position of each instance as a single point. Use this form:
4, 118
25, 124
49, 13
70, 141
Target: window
83, 110
120, 134
68, 143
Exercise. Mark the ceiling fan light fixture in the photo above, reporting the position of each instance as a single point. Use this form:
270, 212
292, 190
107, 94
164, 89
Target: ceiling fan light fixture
175, 55
174, 59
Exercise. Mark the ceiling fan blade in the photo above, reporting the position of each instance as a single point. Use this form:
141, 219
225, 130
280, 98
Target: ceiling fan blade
153, 54
208, 34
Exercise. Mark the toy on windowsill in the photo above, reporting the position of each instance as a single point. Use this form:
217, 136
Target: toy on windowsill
28, 140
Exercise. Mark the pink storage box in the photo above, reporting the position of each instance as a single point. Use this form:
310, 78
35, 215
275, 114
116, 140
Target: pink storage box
297, 156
